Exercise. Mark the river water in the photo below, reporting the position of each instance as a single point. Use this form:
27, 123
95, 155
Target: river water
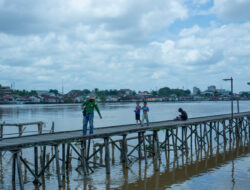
228, 169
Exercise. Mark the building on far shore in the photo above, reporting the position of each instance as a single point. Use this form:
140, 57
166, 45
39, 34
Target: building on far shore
126, 91
196, 90
5, 90
211, 88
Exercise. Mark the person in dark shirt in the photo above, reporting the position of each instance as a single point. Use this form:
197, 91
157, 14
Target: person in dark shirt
183, 116
137, 113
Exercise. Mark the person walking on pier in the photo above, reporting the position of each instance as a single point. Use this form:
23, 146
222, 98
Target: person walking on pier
145, 110
137, 113
183, 116
88, 107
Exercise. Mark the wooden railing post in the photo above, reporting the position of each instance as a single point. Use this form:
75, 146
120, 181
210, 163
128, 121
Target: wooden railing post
1, 132
20, 130
53, 127
39, 128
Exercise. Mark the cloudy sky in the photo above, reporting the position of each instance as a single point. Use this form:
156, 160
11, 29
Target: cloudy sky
137, 44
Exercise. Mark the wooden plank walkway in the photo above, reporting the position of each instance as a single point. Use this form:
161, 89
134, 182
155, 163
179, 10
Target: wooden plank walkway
16, 143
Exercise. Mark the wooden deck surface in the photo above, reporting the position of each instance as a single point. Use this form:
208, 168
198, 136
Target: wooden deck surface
67, 136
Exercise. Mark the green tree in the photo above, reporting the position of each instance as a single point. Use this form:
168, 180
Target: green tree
54, 91
86, 91
33, 93
154, 92
165, 91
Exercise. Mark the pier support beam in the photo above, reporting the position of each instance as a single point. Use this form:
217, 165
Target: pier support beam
36, 163
144, 147
139, 145
107, 155
58, 171
156, 147
19, 169
17, 164
125, 150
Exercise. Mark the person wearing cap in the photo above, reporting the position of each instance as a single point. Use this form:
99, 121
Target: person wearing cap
88, 107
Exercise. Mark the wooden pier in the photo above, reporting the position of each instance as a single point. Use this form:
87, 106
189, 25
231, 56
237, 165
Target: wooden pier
185, 137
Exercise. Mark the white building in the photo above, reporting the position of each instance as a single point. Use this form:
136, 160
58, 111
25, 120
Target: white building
35, 99
126, 91
42, 92
211, 88
196, 90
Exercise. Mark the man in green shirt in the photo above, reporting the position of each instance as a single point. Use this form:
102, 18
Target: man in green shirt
88, 107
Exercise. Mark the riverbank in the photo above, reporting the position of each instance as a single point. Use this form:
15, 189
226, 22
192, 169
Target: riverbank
131, 101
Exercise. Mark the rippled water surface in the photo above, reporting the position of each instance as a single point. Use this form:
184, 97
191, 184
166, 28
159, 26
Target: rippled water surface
223, 168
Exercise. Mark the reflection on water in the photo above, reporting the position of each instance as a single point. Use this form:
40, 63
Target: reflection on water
225, 167
179, 174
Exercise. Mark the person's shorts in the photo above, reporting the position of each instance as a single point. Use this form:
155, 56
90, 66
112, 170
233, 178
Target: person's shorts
137, 117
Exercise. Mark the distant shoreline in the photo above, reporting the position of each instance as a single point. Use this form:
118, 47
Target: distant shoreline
179, 101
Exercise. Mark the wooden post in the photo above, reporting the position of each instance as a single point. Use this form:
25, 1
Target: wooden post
230, 129
224, 131
47, 160
39, 128
156, 145
88, 148
211, 134
237, 127
1, 132
167, 131
121, 150
205, 132
101, 152
144, 148
124, 150
58, 167
19, 169
36, 162
186, 142
53, 127
94, 157
139, 143
113, 152
201, 138
176, 139
191, 142
67, 156
44, 156
20, 130
83, 160
182, 135
14, 168
63, 160
107, 157
217, 132
173, 142
166, 138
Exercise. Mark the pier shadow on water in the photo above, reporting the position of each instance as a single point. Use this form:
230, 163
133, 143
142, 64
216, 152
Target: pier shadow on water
184, 168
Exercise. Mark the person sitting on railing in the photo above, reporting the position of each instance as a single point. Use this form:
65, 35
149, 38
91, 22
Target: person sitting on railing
183, 116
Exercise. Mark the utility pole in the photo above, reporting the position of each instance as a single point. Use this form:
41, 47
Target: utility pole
62, 88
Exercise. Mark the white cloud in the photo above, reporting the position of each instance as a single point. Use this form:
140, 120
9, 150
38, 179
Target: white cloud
200, 2
163, 14
115, 44
232, 10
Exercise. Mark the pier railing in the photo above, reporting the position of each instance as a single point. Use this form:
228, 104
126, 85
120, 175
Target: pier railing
27, 127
